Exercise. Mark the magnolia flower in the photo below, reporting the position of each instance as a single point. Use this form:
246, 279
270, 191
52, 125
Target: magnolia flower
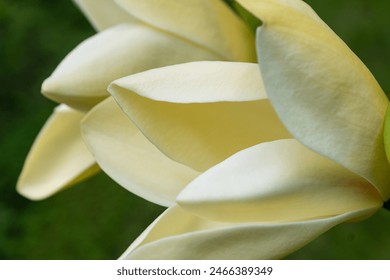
133, 36
262, 163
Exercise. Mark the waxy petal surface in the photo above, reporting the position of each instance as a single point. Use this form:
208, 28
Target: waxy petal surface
322, 92
200, 113
196, 238
104, 14
207, 23
82, 78
274, 182
124, 153
58, 157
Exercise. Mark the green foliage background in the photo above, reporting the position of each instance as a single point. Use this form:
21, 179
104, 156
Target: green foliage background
98, 219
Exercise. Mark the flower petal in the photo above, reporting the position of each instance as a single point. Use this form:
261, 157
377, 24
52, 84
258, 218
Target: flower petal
207, 23
104, 13
387, 133
124, 153
277, 181
177, 234
202, 112
257, 8
320, 89
82, 77
58, 157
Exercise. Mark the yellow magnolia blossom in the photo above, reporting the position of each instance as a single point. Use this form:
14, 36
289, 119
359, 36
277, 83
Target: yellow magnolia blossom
262, 163
133, 36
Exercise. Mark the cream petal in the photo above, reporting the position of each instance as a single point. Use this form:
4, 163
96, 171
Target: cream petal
202, 112
177, 234
320, 89
274, 182
82, 77
103, 14
124, 153
207, 23
257, 8
58, 157
387, 133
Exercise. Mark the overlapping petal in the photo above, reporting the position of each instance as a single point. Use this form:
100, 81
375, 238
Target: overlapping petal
164, 34
207, 23
259, 196
276, 182
124, 153
177, 234
322, 92
81, 79
259, 188
103, 14
136, 36
58, 157
200, 113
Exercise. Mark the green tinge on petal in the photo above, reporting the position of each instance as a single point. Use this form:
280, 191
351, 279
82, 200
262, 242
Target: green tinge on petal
387, 133
82, 78
274, 182
200, 113
251, 21
124, 153
103, 14
58, 158
322, 92
177, 234
210, 24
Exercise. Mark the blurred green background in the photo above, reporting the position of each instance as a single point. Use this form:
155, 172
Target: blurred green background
98, 219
